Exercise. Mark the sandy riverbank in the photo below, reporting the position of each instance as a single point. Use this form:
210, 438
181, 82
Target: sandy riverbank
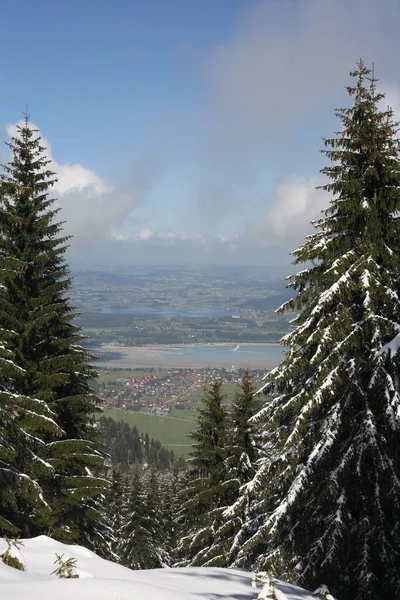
165, 356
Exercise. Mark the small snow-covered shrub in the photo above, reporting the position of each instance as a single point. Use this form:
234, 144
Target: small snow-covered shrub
323, 593
11, 555
66, 567
264, 582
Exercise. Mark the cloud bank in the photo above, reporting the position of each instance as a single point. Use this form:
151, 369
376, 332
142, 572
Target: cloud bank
90, 206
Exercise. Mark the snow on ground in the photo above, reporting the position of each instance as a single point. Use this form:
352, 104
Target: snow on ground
100, 579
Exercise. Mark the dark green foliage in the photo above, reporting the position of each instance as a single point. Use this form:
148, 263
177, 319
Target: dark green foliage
36, 318
328, 489
22, 421
205, 493
114, 510
127, 447
142, 504
172, 484
244, 443
142, 513
229, 519
123, 441
243, 451
139, 544
159, 519
226, 447
159, 456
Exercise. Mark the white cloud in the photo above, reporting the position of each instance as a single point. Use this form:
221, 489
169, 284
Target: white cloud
161, 238
91, 206
71, 177
292, 207
119, 237
145, 234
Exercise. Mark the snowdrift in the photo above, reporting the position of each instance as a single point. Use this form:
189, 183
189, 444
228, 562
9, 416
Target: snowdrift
100, 579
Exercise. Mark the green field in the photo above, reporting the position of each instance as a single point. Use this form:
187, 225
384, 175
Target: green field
228, 391
127, 373
189, 415
171, 432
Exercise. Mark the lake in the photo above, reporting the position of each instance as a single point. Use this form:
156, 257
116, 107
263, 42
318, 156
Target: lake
227, 354
254, 356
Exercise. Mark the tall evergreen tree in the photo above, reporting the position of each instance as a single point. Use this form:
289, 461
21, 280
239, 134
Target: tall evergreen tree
329, 487
158, 520
243, 450
204, 496
138, 548
55, 369
173, 482
242, 445
245, 443
115, 498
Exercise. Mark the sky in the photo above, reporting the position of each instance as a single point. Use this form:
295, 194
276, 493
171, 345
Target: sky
187, 132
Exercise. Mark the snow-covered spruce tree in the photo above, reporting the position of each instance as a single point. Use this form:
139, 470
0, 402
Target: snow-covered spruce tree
22, 420
157, 509
243, 449
204, 496
244, 443
137, 549
46, 345
114, 510
172, 483
329, 487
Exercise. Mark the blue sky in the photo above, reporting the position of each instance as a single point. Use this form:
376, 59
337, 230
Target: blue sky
98, 73
186, 131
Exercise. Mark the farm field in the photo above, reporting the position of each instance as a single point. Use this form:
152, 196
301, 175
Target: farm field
228, 389
171, 432
111, 377
162, 402
148, 307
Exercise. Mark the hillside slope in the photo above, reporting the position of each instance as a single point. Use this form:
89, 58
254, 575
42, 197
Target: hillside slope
103, 580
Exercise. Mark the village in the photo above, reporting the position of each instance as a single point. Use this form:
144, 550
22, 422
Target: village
163, 391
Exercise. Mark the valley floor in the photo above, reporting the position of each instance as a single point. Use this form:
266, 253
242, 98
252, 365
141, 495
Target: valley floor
253, 356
